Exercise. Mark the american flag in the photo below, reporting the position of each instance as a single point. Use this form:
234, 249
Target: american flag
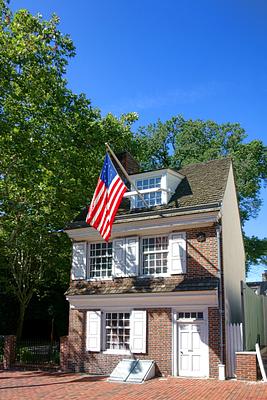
106, 200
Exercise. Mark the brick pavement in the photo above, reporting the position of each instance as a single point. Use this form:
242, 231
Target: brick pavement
56, 386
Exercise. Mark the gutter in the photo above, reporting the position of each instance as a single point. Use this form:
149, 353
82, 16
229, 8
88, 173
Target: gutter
169, 212
220, 300
159, 213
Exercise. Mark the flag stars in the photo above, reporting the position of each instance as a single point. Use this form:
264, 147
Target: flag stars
106, 200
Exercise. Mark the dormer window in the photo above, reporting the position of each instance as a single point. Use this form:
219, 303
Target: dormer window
148, 183
153, 198
156, 187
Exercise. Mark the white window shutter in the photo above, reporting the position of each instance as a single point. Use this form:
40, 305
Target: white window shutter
177, 253
118, 257
78, 270
138, 331
132, 256
93, 331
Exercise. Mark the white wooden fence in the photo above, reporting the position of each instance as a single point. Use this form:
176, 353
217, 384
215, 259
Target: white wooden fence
234, 343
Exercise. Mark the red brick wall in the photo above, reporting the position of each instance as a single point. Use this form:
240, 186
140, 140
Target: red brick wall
128, 162
9, 351
159, 345
202, 262
76, 340
246, 366
202, 257
64, 353
214, 341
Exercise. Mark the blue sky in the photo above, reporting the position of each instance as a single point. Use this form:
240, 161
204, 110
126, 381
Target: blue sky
203, 59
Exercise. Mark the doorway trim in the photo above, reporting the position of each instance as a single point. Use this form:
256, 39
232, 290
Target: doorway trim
175, 339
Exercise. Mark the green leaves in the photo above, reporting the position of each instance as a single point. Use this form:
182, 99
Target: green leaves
52, 145
256, 251
178, 142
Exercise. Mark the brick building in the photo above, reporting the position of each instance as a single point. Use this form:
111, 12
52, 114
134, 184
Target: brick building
168, 282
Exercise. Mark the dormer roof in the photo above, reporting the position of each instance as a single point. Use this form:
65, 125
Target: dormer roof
160, 170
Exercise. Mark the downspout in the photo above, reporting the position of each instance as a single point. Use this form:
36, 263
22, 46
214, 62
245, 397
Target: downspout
220, 300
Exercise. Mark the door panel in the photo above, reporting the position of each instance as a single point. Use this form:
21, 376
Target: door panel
192, 349
184, 340
196, 340
196, 363
184, 362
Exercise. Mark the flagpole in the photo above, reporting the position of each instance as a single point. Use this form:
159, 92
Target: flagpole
126, 174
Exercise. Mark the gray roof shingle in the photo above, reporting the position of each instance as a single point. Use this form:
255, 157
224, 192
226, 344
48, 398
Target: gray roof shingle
141, 285
203, 183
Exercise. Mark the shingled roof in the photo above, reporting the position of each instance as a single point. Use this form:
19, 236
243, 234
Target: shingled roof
141, 285
203, 185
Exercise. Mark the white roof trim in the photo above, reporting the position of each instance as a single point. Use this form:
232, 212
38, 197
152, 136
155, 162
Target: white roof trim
142, 226
157, 172
145, 300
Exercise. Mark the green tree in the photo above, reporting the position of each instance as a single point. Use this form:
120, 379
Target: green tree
256, 250
178, 142
51, 149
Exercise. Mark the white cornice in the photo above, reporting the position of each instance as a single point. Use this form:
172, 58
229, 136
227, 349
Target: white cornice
171, 299
143, 226
155, 172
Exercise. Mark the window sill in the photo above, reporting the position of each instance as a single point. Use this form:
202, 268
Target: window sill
98, 279
118, 352
154, 276
146, 276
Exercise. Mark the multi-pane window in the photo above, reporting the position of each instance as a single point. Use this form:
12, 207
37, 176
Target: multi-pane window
148, 183
117, 331
152, 198
100, 260
190, 315
155, 255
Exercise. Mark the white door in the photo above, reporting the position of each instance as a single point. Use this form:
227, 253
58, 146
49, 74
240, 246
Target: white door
193, 355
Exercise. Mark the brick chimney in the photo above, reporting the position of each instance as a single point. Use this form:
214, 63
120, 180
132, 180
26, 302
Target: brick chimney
264, 276
128, 162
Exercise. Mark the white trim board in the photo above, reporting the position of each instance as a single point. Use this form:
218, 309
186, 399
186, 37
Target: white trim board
144, 226
175, 333
208, 298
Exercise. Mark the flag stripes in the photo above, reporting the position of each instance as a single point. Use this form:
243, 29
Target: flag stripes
106, 200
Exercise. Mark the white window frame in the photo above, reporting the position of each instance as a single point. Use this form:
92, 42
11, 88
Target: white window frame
162, 188
132, 312
88, 267
147, 179
104, 341
148, 190
141, 269
140, 259
185, 319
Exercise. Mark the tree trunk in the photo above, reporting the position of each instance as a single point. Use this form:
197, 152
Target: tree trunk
22, 309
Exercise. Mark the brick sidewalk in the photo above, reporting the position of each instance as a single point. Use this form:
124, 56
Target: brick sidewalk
56, 386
